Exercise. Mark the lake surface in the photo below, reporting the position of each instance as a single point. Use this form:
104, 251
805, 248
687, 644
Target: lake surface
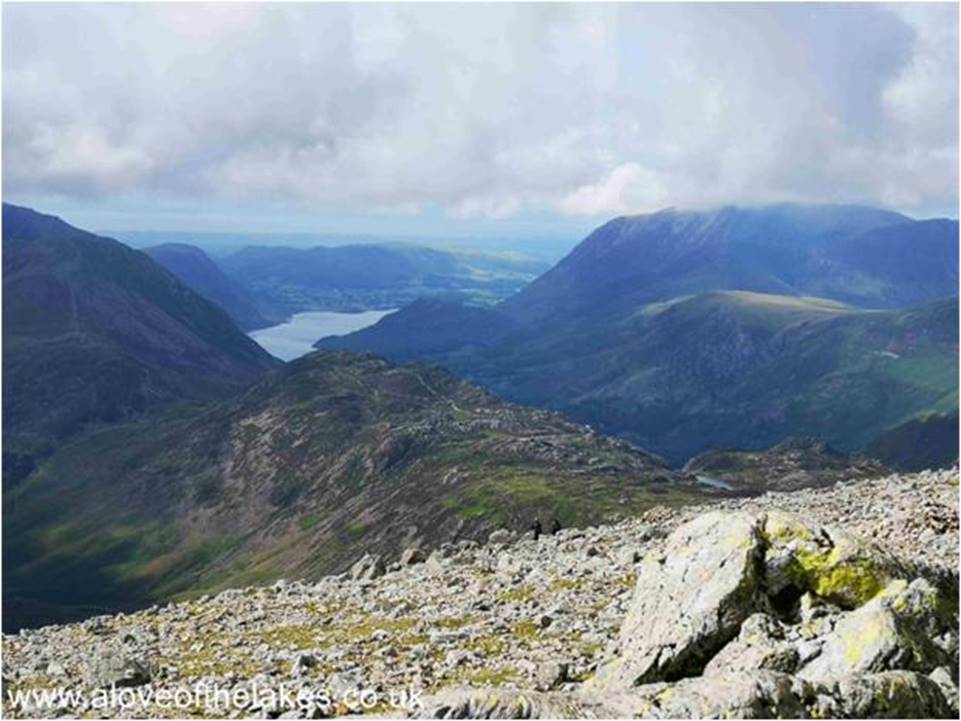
297, 336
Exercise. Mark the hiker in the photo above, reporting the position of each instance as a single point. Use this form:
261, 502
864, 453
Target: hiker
555, 526
536, 528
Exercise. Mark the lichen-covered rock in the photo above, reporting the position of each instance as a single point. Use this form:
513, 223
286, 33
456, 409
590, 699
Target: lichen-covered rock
828, 562
467, 703
689, 601
760, 645
902, 627
892, 694
758, 694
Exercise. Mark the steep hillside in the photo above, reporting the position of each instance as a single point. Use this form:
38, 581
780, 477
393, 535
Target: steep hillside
94, 332
192, 266
333, 455
374, 276
428, 328
716, 370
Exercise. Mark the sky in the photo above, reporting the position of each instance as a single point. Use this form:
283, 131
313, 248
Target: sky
535, 119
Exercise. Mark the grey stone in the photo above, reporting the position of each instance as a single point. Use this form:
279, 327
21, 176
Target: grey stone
412, 556
892, 694
467, 703
688, 601
760, 644
758, 694
109, 667
500, 537
943, 678
550, 675
368, 568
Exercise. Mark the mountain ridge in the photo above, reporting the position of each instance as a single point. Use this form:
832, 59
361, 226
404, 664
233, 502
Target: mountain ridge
95, 332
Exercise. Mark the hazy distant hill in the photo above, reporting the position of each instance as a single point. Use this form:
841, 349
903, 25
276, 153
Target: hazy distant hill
331, 456
95, 332
352, 277
192, 265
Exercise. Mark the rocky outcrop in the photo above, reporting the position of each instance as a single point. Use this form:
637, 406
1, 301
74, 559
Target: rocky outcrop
776, 617
689, 600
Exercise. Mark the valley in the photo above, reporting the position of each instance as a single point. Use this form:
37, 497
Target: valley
684, 332
209, 462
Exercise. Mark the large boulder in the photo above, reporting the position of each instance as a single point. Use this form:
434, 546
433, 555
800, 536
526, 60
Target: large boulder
689, 601
906, 626
827, 562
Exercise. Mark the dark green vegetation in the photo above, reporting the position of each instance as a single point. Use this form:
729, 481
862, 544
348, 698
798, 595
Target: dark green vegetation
197, 271
356, 277
790, 465
328, 457
685, 332
929, 441
94, 332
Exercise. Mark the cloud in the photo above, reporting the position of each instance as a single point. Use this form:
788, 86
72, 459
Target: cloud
482, 110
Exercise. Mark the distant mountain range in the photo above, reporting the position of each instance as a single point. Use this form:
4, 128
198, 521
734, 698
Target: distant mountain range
685, 332
355, 277
94, 332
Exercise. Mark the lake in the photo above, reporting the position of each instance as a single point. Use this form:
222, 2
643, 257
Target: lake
297, 336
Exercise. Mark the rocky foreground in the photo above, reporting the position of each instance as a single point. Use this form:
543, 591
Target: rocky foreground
835, 602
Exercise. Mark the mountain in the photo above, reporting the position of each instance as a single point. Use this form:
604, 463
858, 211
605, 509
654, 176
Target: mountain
329, 457
727, 369
95, 332
192, 266
428, 327
374, 276
690, 331
863, 256
791, 465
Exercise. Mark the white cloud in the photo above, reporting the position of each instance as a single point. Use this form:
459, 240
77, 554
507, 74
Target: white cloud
483, 110
628, 188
